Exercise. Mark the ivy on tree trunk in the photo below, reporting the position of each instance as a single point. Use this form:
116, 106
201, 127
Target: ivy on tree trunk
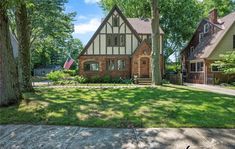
9, 84
156, 70
23, 33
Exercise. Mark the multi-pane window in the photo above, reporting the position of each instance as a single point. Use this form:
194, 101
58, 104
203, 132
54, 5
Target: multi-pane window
91, 66
199, 66
116, 40
110, 64
193, 67
121, 64
109, 40
116, 21
196, 66
201, 35
206, 28
234, 41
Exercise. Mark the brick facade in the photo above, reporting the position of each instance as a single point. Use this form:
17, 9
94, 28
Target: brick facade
102, 61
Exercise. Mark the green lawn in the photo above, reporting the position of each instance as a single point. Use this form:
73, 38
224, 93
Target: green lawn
166, 106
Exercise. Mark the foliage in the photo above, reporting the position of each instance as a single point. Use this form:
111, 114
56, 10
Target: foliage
107, 79
224, 7
164, 106
227, 63
56, 76
80, 79
70, 72
173, 67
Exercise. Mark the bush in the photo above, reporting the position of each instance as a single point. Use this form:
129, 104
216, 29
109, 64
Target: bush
56, 76
106, 79
80, 79
95, 79
70, 72
127, 81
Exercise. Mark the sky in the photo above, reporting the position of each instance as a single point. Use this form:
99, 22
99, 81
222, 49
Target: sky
88, 19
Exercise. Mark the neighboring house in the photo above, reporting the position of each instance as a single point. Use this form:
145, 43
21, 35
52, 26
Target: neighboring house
212, 38
121, 47
44, 70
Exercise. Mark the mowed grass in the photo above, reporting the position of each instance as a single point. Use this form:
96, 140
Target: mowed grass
165, 106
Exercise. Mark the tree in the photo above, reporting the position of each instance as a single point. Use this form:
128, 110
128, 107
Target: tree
227, 63
23, 34
9, 84
224, 7
156, 71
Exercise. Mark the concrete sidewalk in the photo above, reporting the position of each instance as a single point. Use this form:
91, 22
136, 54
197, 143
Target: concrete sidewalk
212, 88
60, 137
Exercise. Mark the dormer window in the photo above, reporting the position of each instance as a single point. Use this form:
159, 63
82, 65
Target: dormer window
201, 35
115, 21
206, 28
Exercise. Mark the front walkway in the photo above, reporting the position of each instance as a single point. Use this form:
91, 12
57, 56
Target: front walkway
212, 88
61, 137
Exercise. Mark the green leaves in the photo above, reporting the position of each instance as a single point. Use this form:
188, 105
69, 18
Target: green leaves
227, 63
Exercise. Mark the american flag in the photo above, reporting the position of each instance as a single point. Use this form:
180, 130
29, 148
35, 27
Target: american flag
68, 63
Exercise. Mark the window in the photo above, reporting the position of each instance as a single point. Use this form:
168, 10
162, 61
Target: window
206, 28
199, 66
122, 40
116, 21
91, 66
201, 35
109, 40
192, 49
234, 41
116, 40
196, 66
110, 64
193, 67
215, 68
121, 64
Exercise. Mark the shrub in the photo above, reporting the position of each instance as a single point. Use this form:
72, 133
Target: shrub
70, 72
80, 79
127, 81
56, 76
95, 79
106, 79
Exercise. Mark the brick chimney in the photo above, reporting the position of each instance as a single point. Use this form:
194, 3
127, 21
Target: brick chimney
213, 16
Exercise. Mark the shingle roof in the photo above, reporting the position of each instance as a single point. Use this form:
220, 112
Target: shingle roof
142, 26
205, 49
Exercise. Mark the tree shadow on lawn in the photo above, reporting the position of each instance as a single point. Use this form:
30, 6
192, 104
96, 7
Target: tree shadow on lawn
167, 106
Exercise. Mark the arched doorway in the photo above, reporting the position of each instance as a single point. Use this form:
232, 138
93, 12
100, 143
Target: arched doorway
144, 67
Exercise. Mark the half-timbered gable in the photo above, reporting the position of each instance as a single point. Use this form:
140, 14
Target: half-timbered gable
111, 49
115, 36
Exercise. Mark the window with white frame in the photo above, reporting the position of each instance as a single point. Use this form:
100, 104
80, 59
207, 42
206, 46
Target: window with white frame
206, 28
91, 66
196, 66
121, 64
201, 35
215, 68
110, 64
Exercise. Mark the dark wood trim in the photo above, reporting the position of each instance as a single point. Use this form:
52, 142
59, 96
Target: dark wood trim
99, 45
131, 44
93, 48
106, 50
103, 24
125, 38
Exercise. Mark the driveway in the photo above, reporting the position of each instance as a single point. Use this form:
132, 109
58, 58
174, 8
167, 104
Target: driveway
67, 137
212, 88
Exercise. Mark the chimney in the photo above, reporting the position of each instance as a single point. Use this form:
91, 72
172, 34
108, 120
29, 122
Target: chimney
213, 16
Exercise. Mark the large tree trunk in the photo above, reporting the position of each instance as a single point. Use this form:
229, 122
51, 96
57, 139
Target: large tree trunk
9, 84
23, 33
156, 69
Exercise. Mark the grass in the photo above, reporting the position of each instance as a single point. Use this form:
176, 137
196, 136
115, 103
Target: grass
165, 106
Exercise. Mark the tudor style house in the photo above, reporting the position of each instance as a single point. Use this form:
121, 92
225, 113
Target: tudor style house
212, 38
121, 47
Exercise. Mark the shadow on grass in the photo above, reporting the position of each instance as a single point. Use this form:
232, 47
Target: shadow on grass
166, 106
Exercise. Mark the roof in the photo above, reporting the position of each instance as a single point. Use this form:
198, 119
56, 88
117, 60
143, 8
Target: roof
205, 49
142, 26
228, 21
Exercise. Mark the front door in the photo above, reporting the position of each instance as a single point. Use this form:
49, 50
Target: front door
144, 67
